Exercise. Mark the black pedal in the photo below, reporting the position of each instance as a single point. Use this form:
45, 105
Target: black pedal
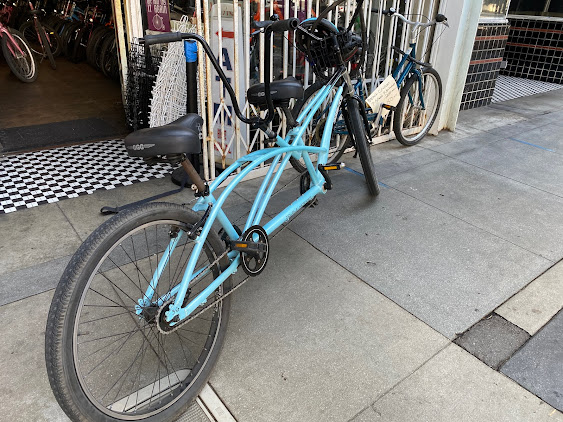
324, 169
251, 248
389, 107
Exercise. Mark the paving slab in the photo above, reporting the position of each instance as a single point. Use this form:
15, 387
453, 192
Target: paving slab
445, 271
516, 160
444, 136
33, 236
493, 340
538, 366
24, 385
455, 386
486, 118
544, 137
31, 280
308, 341
533, 105
532, 307
84, 212
471, 143
514, 211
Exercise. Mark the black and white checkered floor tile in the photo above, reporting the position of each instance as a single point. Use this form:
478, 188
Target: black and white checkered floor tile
35, 178
509, 87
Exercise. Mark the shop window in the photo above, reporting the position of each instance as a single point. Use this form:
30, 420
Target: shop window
552, 8
494, 9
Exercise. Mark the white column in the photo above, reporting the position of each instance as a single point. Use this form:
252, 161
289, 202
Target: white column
451, 56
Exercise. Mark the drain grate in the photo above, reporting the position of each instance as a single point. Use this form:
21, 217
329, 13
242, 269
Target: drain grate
509, 87
195, 414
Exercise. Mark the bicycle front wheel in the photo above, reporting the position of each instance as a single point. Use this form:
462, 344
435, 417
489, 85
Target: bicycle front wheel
22, 64
107, 358
418, 107
358, 130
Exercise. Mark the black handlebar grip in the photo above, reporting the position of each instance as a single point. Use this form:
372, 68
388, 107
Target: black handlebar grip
261, 24
161, 38
285, 25
440, 18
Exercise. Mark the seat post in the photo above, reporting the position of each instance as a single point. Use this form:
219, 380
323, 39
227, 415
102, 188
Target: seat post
194, 176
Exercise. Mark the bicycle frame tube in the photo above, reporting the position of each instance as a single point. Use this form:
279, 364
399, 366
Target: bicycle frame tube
12, 42
292, 145
400, 75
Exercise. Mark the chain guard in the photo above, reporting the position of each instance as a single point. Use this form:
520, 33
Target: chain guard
255, 262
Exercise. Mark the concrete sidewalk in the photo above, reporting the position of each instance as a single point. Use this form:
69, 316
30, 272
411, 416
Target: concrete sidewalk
438, 301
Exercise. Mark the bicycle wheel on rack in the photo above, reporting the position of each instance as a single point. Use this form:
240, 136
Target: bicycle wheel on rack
413, 117
107, 363
313, 133
357, 127
32, 37
94, 43
108, 49
23, 66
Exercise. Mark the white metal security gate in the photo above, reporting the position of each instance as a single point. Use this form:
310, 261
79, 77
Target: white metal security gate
226, 25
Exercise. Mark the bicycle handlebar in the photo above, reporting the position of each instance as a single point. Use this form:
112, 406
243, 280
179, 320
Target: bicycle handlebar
277, 26
392, 12
161, 38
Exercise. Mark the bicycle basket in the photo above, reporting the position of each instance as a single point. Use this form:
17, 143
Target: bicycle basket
322, 53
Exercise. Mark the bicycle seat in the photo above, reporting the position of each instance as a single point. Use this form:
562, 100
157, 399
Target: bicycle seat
182, 136
281, 90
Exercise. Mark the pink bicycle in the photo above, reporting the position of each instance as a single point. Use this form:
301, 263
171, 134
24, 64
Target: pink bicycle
16, 51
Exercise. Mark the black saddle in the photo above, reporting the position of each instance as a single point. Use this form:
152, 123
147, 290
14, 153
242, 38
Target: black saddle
182, 136
281, 91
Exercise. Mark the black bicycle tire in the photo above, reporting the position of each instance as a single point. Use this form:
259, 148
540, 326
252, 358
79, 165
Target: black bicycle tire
337, 153
59, 357
359, 134
397, 120
105, 53
78, 49
54, 40
10, 62
69, 37
98, 48
29, 25
47, 48
97, 34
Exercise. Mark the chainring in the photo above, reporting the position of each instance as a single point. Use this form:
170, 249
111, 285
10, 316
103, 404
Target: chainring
255, 262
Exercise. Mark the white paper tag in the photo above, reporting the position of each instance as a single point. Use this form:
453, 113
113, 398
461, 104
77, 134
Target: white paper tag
386, 93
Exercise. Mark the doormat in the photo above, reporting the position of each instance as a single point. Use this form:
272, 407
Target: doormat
26, 138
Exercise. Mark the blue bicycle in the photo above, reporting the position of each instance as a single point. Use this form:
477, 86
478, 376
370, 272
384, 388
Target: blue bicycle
139, 316
421, 96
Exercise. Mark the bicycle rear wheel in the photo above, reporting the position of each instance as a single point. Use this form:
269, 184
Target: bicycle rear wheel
313, 133
359, 134
413, 117
22, 65
105, 361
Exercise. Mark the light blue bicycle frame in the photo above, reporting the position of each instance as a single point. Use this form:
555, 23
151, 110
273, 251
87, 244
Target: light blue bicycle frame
291, 145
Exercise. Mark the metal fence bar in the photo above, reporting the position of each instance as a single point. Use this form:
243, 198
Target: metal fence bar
383, 33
